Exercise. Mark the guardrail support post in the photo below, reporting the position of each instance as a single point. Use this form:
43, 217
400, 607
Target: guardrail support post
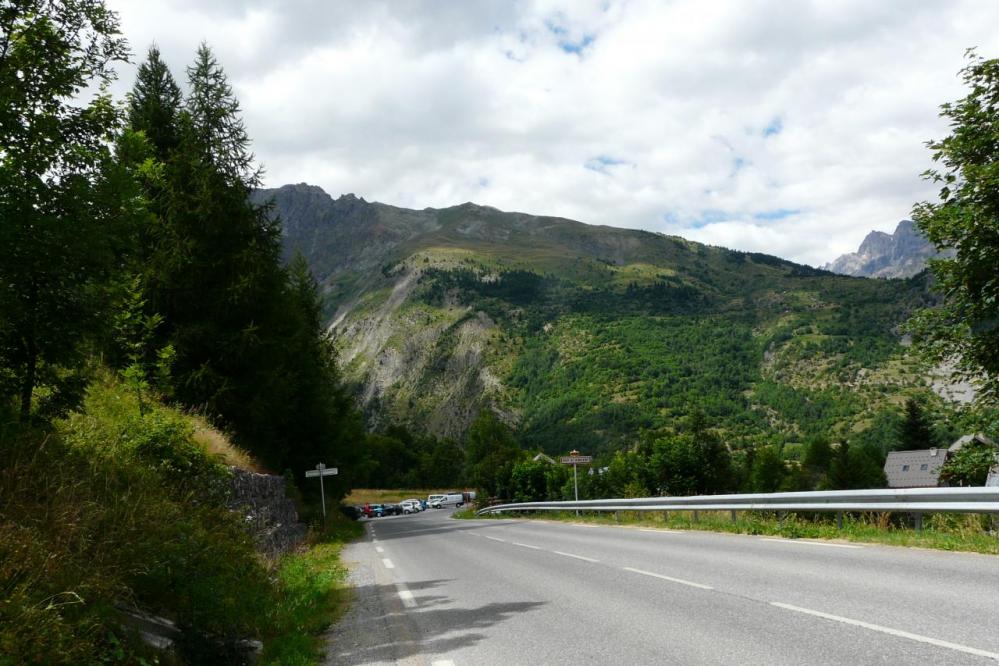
617, 516
839, 520
733, 515
697, 515
918, 521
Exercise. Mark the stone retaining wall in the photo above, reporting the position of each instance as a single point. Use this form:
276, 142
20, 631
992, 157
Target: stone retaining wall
269, 514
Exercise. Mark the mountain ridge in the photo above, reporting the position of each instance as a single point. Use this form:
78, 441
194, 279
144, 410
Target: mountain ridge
575, 333
901, 254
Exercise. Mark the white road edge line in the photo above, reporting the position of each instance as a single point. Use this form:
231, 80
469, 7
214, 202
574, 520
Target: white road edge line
379, 549
442, 662
408, 600
891, 632
662, 531
669, 578
810, 543
526, 545
496, 539
388, 563
578, 557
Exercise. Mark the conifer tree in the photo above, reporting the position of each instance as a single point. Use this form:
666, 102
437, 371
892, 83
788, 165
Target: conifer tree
915, 431
217, 123
221, 279
154, 105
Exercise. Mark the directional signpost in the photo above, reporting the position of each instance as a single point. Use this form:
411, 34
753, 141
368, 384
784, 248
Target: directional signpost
321, 470
575, 459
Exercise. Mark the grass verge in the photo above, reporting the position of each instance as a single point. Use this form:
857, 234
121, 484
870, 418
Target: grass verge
955, 532
312, 594
360, 496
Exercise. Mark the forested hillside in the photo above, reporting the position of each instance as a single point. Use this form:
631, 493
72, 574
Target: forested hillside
586, 337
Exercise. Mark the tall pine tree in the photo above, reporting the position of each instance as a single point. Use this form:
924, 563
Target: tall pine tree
915, 431
154, 105
250, 348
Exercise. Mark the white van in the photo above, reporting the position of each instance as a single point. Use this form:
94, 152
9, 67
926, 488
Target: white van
441, 501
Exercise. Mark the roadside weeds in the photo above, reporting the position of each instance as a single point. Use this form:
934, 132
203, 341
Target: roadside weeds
953, 532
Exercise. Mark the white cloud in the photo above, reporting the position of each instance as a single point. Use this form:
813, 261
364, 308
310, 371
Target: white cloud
787, 128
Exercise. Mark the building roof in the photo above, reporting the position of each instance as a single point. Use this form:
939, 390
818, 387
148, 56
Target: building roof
915, 469
967, 439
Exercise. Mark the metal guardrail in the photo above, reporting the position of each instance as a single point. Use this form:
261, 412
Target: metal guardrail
911, 500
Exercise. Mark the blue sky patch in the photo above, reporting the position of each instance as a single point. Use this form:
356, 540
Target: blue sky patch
702, 219
576, 47
601, 163
565, 42
776, 214
775, 127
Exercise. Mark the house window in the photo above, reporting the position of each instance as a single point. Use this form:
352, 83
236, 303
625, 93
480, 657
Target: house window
923, 467
905, 468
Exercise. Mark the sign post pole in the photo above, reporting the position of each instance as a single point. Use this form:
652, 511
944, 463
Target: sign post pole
575, 484
322, 470
322, 490
575, 460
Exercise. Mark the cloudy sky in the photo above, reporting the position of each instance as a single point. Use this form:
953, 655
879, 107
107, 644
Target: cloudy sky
787, 127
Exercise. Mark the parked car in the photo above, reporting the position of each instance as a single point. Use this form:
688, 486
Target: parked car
410, 506
352, 512
392, 510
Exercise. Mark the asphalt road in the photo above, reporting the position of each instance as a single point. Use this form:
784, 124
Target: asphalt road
441, 592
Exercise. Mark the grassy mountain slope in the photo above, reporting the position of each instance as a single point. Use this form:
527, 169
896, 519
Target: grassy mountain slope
582, 336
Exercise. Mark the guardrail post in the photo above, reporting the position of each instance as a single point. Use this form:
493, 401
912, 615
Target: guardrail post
839, 520
697, 515
918, 521
617, 516
733, 515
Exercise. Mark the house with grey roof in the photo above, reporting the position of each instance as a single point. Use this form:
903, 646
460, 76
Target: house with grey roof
921, 468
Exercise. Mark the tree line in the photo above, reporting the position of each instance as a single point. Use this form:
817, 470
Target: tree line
130, 242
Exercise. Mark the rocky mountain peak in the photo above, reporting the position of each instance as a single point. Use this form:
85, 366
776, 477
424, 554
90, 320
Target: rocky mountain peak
901, 254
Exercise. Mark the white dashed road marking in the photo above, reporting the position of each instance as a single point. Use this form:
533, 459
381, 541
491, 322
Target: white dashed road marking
578, 557
408, 600
526, 545
810, 543
388, 564
891, 632
670, 579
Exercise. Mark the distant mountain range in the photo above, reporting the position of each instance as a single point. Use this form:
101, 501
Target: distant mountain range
898, 255
585, 336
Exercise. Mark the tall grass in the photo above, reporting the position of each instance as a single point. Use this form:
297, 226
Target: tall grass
110, 507
312, 594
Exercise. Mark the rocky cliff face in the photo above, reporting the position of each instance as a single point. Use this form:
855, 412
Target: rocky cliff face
898, 255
